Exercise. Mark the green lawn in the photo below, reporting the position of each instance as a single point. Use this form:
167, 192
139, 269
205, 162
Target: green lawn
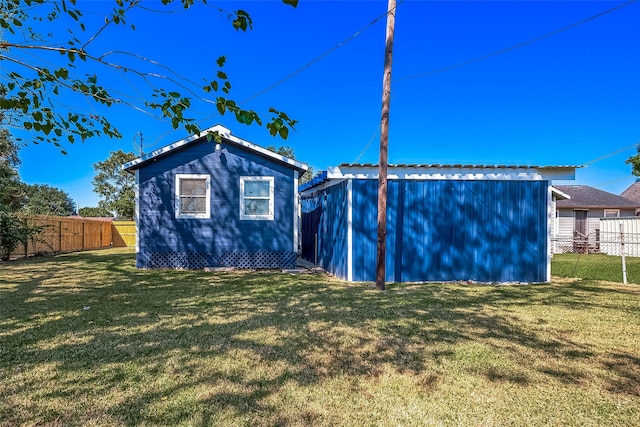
595, 267
86, 339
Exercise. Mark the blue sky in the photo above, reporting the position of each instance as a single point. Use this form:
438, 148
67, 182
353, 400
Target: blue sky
566, 99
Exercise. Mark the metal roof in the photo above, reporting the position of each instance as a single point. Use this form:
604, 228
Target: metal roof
440, 171
454, 166
226, 137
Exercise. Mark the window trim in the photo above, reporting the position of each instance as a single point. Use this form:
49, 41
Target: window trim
616, 213
270, 215
178, 212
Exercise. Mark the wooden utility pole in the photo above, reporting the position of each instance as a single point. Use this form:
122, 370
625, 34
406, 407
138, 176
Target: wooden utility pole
384, 149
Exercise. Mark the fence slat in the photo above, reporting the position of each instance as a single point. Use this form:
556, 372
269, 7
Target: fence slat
124, 233
66, 234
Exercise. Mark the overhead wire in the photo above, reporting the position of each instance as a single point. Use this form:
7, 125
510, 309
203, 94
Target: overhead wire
516, 46
299, 70
613, 181
513, 47
613, 153
322, 56
366, 147
606, 156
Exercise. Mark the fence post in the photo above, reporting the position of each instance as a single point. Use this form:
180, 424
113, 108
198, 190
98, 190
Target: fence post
624, 260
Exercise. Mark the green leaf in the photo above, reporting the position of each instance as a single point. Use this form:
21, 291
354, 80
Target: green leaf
242, 21
221, 60
293, 3
222, 75
284, 132
221, 107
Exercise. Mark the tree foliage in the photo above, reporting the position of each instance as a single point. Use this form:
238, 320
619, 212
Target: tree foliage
94, 212
43, 199
286, 151
34, 88
115, 187
634, 161
12, 196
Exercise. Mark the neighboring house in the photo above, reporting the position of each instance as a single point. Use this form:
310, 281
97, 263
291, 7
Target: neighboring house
201, 204
578, 218
479, 223
633, 193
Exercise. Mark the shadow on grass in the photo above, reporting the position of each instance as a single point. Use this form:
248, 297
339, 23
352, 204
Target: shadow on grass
107, 327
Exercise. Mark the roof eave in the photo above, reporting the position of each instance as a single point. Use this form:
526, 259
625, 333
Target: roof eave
226, 135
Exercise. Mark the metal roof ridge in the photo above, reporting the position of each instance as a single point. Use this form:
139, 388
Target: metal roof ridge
457, 166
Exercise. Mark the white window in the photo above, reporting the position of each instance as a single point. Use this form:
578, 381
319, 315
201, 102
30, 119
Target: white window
193, 196
611, 213
256, 197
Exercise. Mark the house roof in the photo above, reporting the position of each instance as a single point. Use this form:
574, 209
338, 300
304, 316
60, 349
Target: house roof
583, 196
633, 192
442, 171
227, 138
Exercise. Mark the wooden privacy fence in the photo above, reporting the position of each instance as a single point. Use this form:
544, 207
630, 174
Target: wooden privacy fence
66, 234
124, 233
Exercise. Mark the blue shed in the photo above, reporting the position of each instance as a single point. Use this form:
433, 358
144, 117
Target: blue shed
202, 204
444, 222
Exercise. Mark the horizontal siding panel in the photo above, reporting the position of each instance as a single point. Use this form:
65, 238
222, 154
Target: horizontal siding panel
159, 230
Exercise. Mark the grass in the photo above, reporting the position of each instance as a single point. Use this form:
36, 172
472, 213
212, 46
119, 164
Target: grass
86, 339
595, 267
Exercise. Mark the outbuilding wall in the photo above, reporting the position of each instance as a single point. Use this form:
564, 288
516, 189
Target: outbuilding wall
447, 230
325, 227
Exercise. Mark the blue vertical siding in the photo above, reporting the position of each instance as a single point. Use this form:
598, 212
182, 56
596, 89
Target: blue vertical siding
324, 213
222, 240
437, 230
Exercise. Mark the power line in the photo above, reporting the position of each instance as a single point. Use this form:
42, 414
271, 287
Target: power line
606, 156
611, 182
323, 55
296, 72
366, 147
516, 46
